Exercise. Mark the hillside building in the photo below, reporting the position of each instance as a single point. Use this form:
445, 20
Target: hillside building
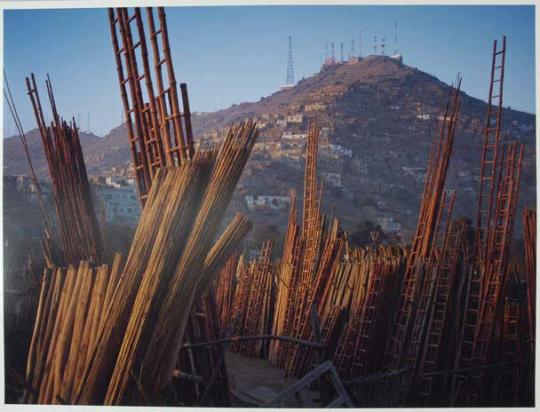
117, 202
267, 202
295, 118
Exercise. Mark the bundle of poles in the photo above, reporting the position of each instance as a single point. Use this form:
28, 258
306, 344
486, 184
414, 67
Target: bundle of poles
253, 300
72, 308
172, 262
76, 218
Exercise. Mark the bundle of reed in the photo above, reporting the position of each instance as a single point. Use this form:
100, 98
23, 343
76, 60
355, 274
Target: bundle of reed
478, 341
169, 186
163, 300
500, 171
254, 304
204, 325
301, 257
79, 230
225, 289
207, 362
286, 274
330, 256
51, 249
428, 229
529, 243
73, 305
377, 282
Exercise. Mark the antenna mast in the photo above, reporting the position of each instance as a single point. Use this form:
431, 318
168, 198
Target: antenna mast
290, 70
326, 52
395, 38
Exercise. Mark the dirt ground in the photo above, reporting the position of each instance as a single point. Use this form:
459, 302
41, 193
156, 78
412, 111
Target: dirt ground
254, 381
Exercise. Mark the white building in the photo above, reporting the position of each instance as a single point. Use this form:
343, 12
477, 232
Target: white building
314, 107
267, 202
295, 118
118, 203
419, 173
340, 150
333, 179
388, 224
294, 136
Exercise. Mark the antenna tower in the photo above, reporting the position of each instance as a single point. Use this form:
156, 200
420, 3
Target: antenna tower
342, 52
395, 38
360, 44
352, 49
374, 44
382, 46
326, 52
290, 70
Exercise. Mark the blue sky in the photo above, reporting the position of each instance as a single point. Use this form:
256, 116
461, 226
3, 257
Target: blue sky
234, 54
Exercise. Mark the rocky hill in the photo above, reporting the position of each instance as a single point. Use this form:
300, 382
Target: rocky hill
378, 118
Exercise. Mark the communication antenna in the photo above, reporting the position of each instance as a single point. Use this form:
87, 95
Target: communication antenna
395, 38
352, 49
382, 45
375, 44
360, 44
333, 58
88, 122
342, 52
290, 70
326, 52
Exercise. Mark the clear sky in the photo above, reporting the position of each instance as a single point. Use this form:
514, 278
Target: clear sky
234, 54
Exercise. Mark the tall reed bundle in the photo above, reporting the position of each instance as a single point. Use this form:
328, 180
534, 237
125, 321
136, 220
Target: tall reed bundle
73, 303
288, 269
79, 230
529, 243
162, 349
180, 219
225, 289
254, 293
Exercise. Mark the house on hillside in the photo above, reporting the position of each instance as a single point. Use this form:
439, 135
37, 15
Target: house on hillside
295, 118
117, 202
263, 202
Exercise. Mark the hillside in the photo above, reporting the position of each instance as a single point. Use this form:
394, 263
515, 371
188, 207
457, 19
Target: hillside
377, 116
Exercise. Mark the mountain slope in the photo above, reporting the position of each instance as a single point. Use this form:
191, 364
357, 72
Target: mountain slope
381, 110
